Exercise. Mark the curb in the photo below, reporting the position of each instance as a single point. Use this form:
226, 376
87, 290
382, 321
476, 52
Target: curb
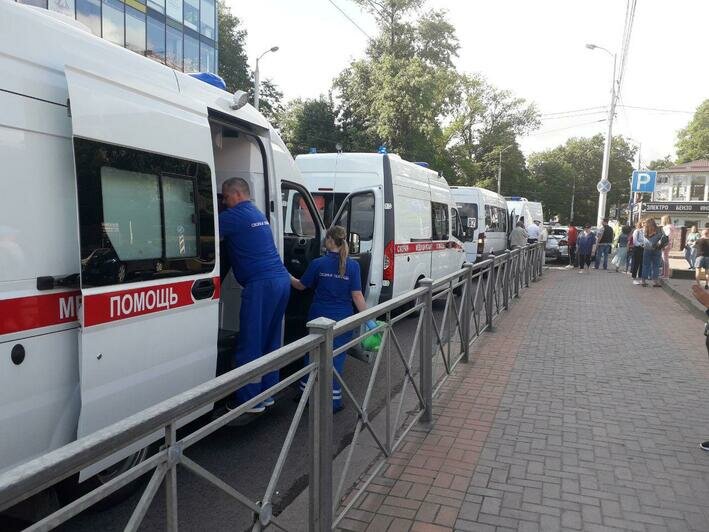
685, 302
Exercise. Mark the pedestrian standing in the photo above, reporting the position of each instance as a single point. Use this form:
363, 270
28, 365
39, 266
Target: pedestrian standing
652, 256
702, 260
605, 241
585, 243
338, 285
571, 238
636, 268
619, 259
703, 298
689, 252
533, 232
259, 269
518, 236
668, 228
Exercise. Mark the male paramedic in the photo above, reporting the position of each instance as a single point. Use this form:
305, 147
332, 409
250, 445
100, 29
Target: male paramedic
259, 270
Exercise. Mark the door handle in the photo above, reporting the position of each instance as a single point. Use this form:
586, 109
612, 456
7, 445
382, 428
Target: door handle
203, 288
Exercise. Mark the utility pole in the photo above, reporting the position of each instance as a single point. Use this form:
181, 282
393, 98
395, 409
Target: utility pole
573, 196
609, 137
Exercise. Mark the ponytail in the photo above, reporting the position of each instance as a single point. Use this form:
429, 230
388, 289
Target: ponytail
338, 235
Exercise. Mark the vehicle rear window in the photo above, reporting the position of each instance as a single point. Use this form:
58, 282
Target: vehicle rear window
468, 215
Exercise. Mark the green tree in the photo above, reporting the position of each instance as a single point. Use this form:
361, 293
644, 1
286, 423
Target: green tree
310, 123
661, 164
234, 64
693, 141
575, 168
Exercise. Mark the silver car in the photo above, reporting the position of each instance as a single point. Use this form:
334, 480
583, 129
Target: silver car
557, 247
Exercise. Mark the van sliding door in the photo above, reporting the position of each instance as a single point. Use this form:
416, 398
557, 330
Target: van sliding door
149, 282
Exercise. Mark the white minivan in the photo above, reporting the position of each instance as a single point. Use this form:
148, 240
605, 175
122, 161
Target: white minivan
111, 298
400, 217
522, 209
483, 214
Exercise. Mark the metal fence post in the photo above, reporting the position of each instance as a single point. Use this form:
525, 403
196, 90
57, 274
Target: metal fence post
542, 257
467, 310
489, 303
527, 264
426, 351
173, 457
506, 283
517, 272
320, 421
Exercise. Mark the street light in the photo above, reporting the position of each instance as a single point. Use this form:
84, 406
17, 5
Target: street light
607, 145
257, 79
499, 169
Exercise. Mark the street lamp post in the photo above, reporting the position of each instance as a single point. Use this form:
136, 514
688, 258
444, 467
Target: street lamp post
257, 77
499, 169
607, 146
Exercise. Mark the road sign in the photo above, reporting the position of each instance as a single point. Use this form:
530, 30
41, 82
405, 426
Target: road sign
604, 186
644, 181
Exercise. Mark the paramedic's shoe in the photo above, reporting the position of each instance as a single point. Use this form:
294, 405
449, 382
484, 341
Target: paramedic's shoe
270, 401
704, 446
636, 282
256, 409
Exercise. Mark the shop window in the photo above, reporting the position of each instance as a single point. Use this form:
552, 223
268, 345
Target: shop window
207, 19
156, 38
88, 12
192, 14
697, 188
113, 22
135, 30
65, 7
173, 47
207, 61
191, 54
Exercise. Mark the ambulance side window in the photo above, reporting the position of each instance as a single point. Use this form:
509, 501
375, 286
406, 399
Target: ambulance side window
439, 216
141, 215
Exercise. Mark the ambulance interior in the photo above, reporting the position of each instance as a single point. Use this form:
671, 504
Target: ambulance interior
238, 153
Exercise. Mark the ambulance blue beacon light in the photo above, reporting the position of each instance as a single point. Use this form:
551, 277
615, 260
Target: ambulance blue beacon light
209, 78
382, 149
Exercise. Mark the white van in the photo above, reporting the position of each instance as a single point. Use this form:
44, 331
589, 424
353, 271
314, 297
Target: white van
522, 209
400, 217
483, 214
110, 286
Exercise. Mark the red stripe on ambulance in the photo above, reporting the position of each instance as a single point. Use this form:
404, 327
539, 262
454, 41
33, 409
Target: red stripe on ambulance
32, 312
120, 305
418, 247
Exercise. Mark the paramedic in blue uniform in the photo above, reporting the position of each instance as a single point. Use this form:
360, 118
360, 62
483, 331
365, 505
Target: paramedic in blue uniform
260, 271
337, 284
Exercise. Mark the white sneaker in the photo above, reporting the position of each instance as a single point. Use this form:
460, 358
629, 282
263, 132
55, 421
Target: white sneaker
270, 401
256, 409
636, 282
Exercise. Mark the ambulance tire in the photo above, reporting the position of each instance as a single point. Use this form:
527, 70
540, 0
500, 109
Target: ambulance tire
71, 489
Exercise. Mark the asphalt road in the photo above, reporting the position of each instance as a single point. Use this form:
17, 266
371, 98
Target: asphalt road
244, 457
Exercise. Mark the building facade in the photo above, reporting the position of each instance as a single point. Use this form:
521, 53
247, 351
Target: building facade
682, 192
179, 33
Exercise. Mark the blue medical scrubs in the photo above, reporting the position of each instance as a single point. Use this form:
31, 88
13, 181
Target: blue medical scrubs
258, 268
333, 299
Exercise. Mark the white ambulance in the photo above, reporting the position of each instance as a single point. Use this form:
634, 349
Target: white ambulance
483, 214
521, 208
110, 292
400, 217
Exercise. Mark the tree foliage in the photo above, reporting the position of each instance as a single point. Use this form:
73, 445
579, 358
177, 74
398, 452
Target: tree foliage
309, 124
577, 165
661, 164
234, 64
693, 141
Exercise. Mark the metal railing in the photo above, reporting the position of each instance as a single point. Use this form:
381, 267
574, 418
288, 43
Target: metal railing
471, 299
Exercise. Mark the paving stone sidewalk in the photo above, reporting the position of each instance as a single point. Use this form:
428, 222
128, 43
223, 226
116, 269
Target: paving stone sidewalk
582, 411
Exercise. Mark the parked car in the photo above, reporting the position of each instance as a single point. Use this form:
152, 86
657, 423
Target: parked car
557, 247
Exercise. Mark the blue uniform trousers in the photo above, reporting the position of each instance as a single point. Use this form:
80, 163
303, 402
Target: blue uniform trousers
263, 305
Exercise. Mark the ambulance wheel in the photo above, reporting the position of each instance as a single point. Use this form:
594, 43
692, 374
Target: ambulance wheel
71, 489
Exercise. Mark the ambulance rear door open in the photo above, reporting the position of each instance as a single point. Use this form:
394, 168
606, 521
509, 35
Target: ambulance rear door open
147, 232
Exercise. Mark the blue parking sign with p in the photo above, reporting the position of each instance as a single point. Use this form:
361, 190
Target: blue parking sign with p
644, 180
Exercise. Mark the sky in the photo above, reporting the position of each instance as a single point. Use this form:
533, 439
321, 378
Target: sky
536, 49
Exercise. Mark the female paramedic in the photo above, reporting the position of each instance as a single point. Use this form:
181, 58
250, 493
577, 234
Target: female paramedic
337, 284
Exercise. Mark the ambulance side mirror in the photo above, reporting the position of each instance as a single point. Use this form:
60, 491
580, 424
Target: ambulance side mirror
354, 242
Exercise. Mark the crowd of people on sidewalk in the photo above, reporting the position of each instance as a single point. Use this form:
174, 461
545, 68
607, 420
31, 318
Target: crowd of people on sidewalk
642, 252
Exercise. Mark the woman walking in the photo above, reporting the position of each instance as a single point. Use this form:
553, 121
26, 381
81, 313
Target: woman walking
584, 244
668, 229
337, 284
652, 257
690, 253
619, 259
636, 268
